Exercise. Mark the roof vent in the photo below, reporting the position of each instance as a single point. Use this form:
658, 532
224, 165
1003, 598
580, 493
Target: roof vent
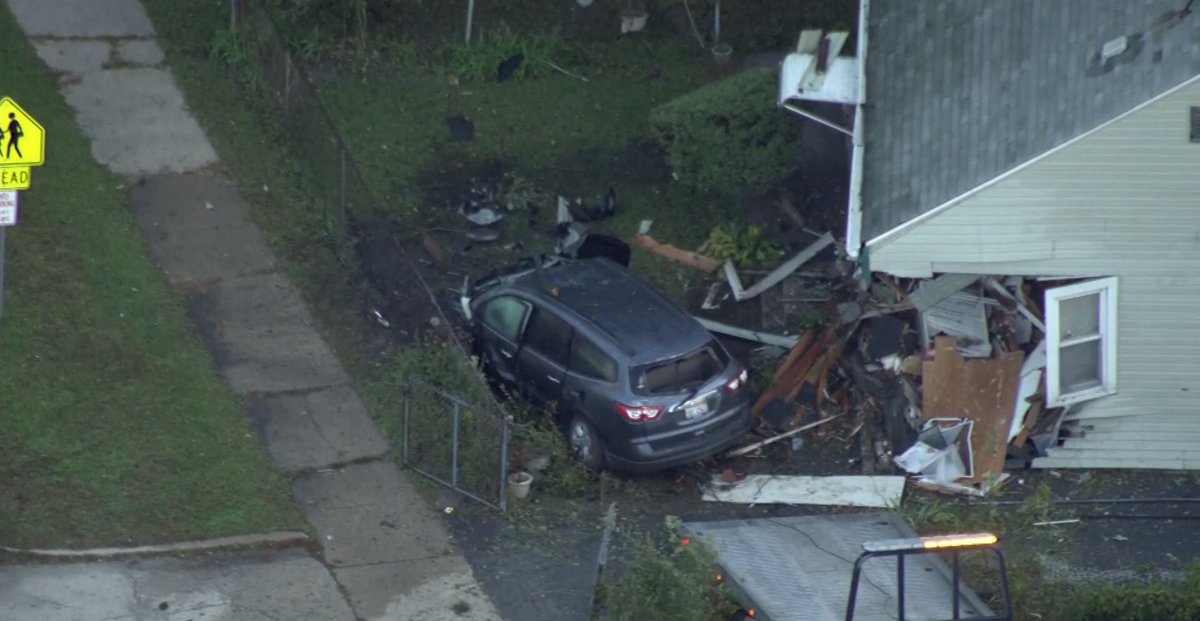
1114, 48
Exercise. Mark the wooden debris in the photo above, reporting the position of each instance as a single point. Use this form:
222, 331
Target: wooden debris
980, 390
749, 448
678, 255
433, 248
789, 380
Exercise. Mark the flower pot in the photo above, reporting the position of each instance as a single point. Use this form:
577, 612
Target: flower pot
584, 3
518, 484
721, 53
633, 21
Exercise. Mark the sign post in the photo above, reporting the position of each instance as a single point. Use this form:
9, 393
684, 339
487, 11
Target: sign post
8, 217
22, 146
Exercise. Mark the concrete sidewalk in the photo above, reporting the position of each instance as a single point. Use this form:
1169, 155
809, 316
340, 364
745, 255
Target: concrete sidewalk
386, 548
246, 588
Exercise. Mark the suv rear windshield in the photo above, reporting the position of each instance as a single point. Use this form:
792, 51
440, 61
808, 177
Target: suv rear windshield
686, 372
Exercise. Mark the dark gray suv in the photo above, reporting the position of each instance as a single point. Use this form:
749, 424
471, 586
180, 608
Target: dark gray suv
637, 382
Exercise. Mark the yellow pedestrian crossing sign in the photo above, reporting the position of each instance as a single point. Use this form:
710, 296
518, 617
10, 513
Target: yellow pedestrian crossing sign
14, 178
22, 139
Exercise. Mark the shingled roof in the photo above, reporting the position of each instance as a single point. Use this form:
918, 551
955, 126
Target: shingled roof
961, 91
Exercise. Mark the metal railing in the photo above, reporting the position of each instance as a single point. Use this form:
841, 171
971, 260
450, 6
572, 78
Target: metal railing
462, 446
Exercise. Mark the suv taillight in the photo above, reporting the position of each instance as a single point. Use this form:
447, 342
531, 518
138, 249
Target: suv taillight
638, 413
736, 383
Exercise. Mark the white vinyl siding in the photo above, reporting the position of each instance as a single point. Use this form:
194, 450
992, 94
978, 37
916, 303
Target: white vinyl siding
1122, 202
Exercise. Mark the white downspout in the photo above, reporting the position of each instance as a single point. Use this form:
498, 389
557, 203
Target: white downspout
854, 209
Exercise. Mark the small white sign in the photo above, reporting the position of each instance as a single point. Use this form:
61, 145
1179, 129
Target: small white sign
8, 207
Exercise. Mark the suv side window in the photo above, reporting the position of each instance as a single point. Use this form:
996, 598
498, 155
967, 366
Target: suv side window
506, 315
548, 335
589, 361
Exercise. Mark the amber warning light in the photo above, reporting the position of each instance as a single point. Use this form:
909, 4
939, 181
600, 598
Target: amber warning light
944, 542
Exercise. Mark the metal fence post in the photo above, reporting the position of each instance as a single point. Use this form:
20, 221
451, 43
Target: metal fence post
470, 18
342, 200
233, 13
454, 448
407, 411
287, 83
3, 234
504, 431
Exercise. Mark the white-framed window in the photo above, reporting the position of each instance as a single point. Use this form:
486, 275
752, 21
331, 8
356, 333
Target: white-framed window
1081, 341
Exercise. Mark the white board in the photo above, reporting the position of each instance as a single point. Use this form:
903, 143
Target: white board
836, 491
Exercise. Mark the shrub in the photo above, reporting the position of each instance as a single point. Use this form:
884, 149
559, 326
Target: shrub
746, 247
675, 584
729, 136
1158, 601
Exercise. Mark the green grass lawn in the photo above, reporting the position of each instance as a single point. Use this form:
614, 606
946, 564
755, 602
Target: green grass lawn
116, 428
564, 135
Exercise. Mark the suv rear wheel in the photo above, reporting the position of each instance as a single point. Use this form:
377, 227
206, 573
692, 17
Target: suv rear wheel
585, 443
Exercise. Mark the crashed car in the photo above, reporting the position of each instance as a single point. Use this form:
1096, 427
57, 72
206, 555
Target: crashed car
637, 383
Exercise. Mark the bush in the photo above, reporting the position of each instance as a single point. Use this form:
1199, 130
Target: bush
746, 247
675, 584
1159, 601
729, 136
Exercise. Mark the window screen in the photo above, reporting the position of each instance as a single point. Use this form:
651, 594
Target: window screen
548, 335
588, 361
506, 316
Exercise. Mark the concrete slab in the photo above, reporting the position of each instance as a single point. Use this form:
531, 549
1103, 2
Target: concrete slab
74, 19
74, 56
66, 593
262, 337
316, 429
139, 52
289, 585
198, 227
138, 122
404, 591
369, 514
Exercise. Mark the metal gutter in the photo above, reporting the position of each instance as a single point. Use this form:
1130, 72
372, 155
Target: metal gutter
854, 208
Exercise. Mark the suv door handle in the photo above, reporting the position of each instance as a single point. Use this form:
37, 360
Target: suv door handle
554, 379
506, 354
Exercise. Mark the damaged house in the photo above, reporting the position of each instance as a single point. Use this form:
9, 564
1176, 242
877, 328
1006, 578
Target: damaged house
1042, 158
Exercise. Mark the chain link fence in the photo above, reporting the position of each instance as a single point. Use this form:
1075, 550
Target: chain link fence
459, 440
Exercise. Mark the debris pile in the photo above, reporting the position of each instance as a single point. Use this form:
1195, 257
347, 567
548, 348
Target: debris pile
942, 379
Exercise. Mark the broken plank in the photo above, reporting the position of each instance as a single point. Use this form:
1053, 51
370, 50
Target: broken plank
433, 248
748, 335
797, 350
778, 274
750, 448
794, 376
678, 255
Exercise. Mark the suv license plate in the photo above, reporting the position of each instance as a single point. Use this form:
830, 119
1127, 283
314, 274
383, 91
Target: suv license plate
692, 411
